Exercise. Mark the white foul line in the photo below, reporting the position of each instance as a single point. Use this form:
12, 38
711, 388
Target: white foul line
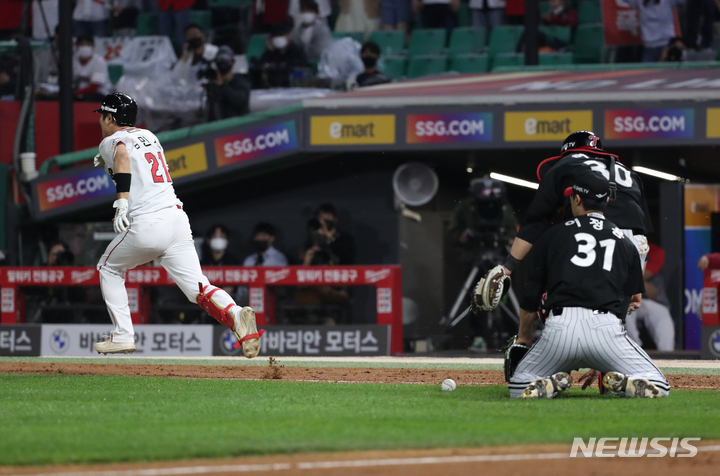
245, 468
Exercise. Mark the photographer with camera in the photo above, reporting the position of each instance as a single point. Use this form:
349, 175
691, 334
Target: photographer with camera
481, 229
197, 56
327, 245
281, 58
228, 93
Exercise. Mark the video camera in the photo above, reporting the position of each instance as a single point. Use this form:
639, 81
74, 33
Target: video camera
489, 197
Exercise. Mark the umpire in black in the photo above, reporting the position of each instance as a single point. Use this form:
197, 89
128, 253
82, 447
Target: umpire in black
587, 266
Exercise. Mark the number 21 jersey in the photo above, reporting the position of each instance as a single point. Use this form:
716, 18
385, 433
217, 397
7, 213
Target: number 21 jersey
151, 188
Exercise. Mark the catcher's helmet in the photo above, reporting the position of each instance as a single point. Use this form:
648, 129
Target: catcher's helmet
121, 107
581, 139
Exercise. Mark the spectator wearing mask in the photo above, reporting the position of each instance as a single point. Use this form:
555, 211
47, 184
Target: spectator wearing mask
487, 13
437, 13
675, 50
90, 72
265, 253
560, 14
700, 14
395, 14
311, 31
196, 55
174, 16
214, 249
370, 54
655, 309
228, 95
657, 25
281, 57
90, 17
294, 9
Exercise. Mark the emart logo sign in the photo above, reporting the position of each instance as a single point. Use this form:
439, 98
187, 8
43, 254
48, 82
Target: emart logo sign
352, 130
634, 448
535, 126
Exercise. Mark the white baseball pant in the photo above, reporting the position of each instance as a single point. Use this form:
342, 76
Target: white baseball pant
658, 322
579, 338
164, 236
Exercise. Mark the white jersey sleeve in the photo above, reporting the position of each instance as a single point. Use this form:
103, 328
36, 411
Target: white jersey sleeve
151, 187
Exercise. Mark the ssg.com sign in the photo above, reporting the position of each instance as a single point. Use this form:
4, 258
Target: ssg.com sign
74, 188
256, 143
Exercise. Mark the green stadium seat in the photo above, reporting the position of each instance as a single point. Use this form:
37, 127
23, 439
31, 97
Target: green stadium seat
547, 59
202, 18
467, 40
562, 34
426, 41
469, 63
508, 59
391, 42
589, 11
256, 46
394, 66
589, 43
425, 65
504, 39
464, 15
147, 24
115, 72
358, 36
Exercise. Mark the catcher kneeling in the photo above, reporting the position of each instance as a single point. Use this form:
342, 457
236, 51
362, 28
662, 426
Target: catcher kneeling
587, 267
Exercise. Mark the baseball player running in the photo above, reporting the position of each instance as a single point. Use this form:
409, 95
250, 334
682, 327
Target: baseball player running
627, 207
152, 225
587, 265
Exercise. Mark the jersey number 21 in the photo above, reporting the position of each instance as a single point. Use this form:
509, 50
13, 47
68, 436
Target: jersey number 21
586, 253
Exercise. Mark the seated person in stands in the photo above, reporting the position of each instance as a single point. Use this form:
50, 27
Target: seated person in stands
197, 55
281, 57
312, 32
560, 14
214, 248
228, 93
370, 53
90, 72
265, 253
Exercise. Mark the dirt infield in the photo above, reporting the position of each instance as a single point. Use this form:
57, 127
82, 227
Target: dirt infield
306, 374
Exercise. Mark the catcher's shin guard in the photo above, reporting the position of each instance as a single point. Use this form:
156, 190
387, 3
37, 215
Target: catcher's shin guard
221, 315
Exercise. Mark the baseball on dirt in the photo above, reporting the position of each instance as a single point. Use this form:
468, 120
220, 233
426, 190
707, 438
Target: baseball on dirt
448, 385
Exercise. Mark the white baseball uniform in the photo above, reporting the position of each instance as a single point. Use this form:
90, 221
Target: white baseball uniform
159, 230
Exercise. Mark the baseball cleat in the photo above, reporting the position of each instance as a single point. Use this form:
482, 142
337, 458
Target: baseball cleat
110, 347
245, 330
548, 387
620, 384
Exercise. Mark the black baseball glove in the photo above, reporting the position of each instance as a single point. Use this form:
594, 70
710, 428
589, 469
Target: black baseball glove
514, 353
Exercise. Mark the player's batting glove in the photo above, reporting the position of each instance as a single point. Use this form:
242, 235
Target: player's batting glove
121, 221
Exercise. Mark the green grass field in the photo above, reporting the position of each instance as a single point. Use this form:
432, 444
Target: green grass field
64, 419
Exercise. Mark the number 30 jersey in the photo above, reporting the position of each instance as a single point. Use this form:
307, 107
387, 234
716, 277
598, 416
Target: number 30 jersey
585, 262
151, 188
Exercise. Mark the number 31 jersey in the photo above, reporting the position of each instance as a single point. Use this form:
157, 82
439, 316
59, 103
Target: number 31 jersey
151, 188
585, 262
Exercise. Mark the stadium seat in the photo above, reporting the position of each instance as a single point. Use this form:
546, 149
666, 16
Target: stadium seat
504, 39
589, 43
464, 15
469, 63
589, 11
427, 41
115, 72
467, 40
358, 36
147, 24
394, 66
202, 18
391, 42
561, 33
256, 46
508, 59
425, 65
555, 58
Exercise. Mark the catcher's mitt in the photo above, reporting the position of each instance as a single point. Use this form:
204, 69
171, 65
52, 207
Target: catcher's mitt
513, 355
491, 288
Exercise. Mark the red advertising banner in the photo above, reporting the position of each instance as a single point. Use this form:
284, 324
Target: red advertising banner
622, 24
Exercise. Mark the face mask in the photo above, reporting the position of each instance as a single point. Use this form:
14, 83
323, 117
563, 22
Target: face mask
307, 18
195, 43
261, 245
369, 61
218, 244
85, 51
224, 67
280, 42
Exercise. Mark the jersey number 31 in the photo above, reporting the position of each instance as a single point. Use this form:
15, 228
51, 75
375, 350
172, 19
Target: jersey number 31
586, 253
